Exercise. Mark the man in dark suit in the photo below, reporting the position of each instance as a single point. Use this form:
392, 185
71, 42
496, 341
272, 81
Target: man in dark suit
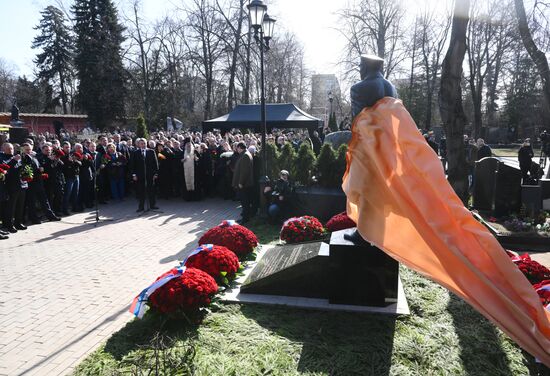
16, 188
243, 180
144, 168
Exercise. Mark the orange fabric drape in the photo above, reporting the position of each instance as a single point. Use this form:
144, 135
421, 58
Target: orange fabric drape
401, 201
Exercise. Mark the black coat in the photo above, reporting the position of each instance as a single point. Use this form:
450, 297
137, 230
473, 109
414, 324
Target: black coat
525, 155
13, 177
147, 168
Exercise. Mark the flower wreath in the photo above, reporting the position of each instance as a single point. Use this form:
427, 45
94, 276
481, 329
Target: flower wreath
302, 229
233, 236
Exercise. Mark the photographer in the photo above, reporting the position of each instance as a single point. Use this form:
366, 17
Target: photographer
278, 196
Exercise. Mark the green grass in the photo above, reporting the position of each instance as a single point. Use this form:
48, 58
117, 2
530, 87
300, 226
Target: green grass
442, 336
510, 152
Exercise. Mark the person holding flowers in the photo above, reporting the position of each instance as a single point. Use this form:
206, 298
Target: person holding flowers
16, 187
36, 192
71, 169
115, 163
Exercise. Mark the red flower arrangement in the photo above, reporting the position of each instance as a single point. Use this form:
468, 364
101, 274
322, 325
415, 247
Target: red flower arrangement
302, 229
543, 289
3, 171
218, 261
44, 176
534, 271
339, 222
58, 153
233, 236
78, 156
105, 159
186, 293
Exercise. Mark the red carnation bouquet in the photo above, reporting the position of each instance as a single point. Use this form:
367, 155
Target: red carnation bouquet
302, 229
218, 261
78, 156
340, 222
58, 153
185, 294
3, 171
534, 271
105, 159
233, 236
44, 176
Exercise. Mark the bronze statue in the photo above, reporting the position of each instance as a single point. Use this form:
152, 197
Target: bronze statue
14, 112
372, 87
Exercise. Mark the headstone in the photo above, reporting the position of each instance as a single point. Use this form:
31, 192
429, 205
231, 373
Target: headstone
531, 198
361, 274
507, 190
298, 270
484, 183
335, 139
545, 193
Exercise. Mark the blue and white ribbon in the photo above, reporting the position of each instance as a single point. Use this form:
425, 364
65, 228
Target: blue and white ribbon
201, 248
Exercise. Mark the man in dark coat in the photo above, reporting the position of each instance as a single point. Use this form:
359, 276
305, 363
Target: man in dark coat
16, 189
525, 158
37, 192
144, 168
243, 181
483, 150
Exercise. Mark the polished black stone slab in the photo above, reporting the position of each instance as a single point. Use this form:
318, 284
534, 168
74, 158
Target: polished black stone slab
291, 270
361, 274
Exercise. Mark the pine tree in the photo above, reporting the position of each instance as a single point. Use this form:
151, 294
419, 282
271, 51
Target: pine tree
341, 164
98, 60
287, 159
325, 166
55, 61
305, 162
141, 129
332, 124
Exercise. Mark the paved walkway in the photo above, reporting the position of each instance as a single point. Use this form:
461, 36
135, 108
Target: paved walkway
66, 286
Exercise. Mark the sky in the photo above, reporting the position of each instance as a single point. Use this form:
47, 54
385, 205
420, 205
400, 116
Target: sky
312, 21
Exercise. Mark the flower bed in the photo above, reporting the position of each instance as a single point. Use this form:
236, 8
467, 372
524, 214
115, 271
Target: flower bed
231, 235
178, 292
339, 222
537, 274
185, 290
218, 261
302, 229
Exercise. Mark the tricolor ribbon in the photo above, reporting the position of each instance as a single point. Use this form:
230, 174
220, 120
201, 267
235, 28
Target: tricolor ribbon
228, 222
138, 307
202, 248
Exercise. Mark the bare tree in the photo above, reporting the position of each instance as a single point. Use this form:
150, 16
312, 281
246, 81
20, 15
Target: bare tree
433, 35
205, 47
450, 101
538, 56
373, 26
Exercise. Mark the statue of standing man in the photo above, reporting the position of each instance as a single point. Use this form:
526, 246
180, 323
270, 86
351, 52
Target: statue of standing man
372, 87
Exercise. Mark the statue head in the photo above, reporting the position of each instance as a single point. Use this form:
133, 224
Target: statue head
370, 64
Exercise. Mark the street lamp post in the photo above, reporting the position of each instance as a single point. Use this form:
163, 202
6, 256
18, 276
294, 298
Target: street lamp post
263, 32
330, 99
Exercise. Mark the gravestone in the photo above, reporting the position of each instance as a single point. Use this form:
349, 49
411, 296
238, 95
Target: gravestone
507, 190
341, 272
291, 270
484, 183
361, 274
531, 198
545, 192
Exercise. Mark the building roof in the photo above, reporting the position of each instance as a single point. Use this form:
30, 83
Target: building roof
68, 116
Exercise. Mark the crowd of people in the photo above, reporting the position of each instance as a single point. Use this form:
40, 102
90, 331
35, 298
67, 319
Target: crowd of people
49, 176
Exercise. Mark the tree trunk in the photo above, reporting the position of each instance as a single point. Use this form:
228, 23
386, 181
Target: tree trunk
248, 68
63, 91
539, 58
411, 79
234, 57
450, 104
